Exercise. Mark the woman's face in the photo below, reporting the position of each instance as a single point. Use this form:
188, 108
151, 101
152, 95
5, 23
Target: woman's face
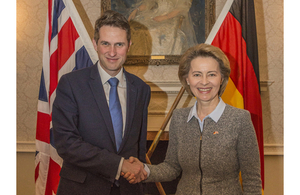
204, 79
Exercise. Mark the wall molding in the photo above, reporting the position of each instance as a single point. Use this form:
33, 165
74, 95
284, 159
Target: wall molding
26, 146
273, 149
265, 84
164, 86
269, 149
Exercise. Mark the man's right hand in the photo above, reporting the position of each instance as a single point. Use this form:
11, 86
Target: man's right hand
133, 170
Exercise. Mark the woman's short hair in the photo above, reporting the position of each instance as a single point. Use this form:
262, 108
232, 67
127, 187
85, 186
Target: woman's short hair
203, 50
114, 19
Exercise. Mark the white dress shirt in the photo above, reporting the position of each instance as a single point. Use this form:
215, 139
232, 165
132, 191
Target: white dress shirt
122, 96
214, 115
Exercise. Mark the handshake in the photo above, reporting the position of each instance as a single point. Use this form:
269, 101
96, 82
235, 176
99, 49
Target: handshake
133, 170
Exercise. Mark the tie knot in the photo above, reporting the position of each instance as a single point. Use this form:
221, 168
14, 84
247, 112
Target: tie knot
113, 81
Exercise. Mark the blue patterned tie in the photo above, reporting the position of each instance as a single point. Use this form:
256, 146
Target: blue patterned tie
115, 111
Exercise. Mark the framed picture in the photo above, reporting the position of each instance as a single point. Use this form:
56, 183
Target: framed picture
162, 30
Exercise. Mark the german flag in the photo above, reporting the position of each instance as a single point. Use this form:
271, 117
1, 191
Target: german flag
235, 34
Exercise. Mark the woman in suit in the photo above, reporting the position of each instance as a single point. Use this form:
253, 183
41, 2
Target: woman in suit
211, 142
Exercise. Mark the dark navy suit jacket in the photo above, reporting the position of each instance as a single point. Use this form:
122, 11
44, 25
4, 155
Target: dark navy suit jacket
84, 136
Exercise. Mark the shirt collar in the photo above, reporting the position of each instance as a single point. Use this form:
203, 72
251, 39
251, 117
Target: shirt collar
214, 115
105, 76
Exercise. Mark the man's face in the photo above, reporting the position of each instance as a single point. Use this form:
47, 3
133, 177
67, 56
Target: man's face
112, 48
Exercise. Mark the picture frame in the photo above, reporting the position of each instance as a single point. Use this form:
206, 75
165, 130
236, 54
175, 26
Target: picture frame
161, 58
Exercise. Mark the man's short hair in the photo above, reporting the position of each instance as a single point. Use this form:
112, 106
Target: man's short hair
114, 19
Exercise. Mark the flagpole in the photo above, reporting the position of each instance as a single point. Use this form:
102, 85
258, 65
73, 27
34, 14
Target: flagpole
158, 135
164, 124
219, 22
83, 33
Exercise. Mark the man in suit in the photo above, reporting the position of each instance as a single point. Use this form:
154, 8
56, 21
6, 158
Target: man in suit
85, 133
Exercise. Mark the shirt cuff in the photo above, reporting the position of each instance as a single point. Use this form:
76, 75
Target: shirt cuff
119, 169
147, 170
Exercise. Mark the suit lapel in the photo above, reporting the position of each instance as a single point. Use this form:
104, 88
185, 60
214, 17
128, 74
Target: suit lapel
130, 106
99, 95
